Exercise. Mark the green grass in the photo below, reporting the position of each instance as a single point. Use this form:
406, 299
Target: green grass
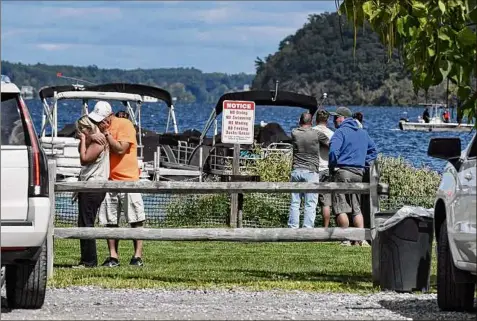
324, 267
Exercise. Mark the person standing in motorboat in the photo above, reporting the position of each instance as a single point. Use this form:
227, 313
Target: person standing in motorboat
446, 116
426, 116
94, 158
324, 200
120, 135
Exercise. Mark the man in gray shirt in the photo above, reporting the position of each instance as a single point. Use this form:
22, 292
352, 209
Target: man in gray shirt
306, 146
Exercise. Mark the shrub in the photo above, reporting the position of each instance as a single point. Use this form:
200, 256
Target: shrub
408, 186
273, 167
266, 210
198, 210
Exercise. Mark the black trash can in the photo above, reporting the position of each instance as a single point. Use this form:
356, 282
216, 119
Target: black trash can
379, 218
405, 252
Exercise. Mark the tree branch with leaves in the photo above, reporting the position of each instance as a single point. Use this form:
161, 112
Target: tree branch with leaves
437, 40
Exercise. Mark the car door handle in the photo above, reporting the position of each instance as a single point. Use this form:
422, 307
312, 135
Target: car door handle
468, 176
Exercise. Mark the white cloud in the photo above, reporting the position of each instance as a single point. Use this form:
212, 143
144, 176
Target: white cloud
216, 15
272, 33
13, 32
69, 12
53, 46
151, 33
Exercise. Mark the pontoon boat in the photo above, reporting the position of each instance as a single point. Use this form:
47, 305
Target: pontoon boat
211, 156
62, 145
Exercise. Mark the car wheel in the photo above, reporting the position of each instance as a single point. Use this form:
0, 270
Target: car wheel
26, 283
451, 296
3, 276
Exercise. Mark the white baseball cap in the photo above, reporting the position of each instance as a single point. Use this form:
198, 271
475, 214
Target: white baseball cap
101, 110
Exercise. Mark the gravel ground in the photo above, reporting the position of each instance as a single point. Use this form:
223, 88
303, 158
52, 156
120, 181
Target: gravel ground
95, 303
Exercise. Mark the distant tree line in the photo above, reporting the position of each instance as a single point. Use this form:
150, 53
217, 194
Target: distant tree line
187, 84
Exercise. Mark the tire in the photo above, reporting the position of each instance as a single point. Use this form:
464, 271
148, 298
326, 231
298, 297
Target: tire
3, 276
26, 283
451, 296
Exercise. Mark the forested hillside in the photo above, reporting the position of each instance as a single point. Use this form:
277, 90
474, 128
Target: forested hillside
187, 84
319, 58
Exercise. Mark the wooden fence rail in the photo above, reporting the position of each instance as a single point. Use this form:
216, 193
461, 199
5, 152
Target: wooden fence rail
370, 193
152, 187
216, 234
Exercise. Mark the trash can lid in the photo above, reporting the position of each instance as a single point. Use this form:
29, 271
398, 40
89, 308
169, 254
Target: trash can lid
418, 212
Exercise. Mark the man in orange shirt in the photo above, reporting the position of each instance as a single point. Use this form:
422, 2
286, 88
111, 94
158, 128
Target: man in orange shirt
120, 135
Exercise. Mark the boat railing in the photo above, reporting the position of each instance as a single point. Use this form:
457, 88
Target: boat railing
181, 152
221, 164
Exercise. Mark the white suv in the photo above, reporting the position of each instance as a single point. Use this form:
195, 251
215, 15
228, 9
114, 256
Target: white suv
25, 204
455, 224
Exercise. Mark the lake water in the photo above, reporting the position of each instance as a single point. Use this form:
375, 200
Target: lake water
381, 123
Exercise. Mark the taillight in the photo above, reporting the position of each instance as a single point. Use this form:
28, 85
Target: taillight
38, 178
7, 249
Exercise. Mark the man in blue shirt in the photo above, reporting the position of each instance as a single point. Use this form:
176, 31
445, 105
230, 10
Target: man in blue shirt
351, 150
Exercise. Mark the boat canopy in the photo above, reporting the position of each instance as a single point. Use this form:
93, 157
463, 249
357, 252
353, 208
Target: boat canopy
130, 91
127, 93
267, 98
262, 98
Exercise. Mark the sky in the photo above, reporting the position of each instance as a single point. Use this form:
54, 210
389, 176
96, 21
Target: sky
213, 36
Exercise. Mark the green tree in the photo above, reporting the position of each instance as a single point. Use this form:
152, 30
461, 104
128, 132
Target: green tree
436, 38
319, 58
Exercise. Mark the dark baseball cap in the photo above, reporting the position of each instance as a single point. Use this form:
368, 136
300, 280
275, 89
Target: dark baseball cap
342, 111
322, 112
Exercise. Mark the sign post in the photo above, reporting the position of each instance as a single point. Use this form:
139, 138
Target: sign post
238, 119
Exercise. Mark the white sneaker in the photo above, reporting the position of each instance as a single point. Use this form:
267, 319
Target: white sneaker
364, 244
346, 243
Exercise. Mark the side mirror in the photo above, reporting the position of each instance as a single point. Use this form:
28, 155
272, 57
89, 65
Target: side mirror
445, 148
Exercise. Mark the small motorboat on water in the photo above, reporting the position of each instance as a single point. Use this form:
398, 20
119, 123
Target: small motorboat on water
435, 121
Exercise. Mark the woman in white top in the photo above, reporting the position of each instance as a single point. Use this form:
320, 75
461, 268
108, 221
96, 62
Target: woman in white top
95, 166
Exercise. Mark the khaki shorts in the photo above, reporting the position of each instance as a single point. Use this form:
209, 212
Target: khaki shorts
130, 203
324, 199
346, 203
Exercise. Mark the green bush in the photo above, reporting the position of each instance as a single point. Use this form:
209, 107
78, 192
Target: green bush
266, 210
273, 167
408, 186
198, 210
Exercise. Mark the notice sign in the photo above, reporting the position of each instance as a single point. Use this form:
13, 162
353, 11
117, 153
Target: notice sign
238, 119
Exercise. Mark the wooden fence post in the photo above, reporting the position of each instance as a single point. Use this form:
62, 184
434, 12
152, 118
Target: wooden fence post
373, 209
234, 198
373, 193
240, 210
51, 226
